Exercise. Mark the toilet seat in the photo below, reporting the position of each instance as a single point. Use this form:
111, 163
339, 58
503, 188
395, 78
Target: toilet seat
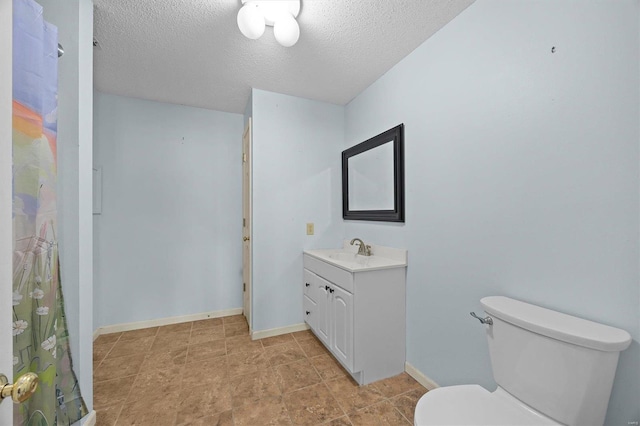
474, 405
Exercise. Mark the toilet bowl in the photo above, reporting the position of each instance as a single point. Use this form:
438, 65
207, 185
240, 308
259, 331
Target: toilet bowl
551, 369
474, 405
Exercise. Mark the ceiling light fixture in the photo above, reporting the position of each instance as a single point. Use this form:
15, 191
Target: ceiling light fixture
279, 14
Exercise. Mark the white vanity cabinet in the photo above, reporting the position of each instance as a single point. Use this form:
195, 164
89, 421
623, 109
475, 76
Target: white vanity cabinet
358, 312
331, 316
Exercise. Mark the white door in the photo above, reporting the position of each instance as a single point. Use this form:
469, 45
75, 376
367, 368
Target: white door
246, 223
342, 325
6, 340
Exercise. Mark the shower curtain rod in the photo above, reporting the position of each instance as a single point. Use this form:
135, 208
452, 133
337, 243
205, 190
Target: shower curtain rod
60, 50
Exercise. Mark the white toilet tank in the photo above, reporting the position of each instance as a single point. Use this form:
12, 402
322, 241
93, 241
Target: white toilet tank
558, 364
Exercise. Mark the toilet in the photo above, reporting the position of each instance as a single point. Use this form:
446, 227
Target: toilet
551, 369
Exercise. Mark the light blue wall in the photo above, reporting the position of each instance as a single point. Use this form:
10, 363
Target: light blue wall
168, 241
74, 20
521, 176
296, 179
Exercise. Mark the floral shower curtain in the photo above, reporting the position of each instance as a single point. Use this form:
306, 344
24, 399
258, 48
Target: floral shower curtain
40, 337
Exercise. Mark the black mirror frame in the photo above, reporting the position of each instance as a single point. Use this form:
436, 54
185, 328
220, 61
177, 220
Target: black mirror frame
397, 214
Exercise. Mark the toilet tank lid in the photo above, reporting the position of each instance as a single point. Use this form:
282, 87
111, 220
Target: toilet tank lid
557, 325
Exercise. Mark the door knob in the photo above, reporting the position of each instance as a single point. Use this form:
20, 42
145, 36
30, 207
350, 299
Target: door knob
22, 390
245, 238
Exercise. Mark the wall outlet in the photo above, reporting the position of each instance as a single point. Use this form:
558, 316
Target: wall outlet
309, 228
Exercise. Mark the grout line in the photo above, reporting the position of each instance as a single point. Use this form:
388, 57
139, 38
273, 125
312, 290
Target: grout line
403, 416
336, 400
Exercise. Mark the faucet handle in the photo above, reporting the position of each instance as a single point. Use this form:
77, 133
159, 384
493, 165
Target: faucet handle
367, 250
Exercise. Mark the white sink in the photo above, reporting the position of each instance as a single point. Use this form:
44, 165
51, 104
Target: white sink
347, 257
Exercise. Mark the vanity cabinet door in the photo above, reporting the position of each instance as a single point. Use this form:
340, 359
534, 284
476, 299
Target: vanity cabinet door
342, 325
323, 303
310, 312
309, 278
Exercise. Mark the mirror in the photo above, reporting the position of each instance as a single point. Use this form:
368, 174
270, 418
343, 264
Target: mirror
373, 178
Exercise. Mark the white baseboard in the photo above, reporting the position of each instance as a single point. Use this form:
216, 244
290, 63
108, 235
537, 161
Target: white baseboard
90, 419
278, 331
420, 378
117, 328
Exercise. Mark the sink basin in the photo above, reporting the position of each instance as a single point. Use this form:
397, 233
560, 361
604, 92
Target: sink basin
345, 257
348, 259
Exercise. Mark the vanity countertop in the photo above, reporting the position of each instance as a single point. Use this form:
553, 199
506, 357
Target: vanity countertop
347, 257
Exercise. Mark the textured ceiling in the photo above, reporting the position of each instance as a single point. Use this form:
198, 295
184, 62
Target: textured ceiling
191, 52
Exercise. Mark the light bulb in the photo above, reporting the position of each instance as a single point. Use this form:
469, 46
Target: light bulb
251, 21
286, 30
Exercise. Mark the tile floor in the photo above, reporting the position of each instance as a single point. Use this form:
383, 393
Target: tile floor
210, 372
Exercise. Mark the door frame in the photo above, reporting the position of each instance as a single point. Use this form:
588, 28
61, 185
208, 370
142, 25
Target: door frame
6, 202
247, 136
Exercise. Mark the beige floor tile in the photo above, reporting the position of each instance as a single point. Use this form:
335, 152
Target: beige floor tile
297, 375
211, 373
114, 368
353, 397
220, 419
208, 334
100, 352
248, 388
194, 373
284, 354
397, 385
207, 323
266, 411
341, 421
202, 401
164, 360
156, 383
303, 335
247, 362
242, 344
152, 410
181, 327
107, 338
236, 329
277, 340
313, 347
382, 413
328, 367
107, 416
312, 405
234, 319
406, 403
170, 341
110, 392
206, 351
136, 334
129, 347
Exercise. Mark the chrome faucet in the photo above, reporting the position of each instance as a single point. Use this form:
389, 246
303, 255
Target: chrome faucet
363, 249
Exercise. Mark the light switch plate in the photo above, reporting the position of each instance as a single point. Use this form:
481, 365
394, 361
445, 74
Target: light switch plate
309, 228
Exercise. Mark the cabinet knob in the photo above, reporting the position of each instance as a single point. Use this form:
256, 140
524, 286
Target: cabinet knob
331, 290
326, 287
308, 312
307, 284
